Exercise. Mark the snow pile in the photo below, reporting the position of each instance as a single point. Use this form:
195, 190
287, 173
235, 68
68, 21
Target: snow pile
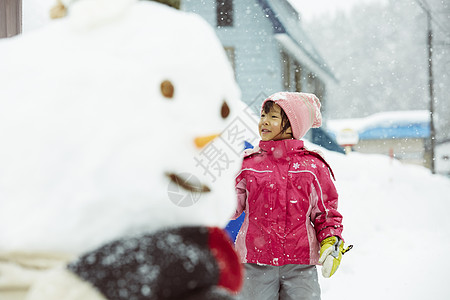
89, 137
396, 216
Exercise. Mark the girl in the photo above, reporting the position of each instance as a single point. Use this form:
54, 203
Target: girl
290, 203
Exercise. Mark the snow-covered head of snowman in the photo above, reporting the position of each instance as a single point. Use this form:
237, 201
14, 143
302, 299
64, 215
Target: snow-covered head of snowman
114, 127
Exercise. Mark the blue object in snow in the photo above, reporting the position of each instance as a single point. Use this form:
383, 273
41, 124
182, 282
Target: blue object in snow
319, 137
233, 226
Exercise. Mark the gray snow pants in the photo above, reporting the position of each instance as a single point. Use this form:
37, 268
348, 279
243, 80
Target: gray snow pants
288, 282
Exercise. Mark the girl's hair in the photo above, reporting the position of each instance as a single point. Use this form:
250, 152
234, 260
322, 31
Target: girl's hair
285, 124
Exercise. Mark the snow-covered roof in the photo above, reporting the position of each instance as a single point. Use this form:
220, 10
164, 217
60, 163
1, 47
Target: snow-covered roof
290, 34
392, 124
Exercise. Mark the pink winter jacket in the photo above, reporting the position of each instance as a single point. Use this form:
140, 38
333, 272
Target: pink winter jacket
290, 204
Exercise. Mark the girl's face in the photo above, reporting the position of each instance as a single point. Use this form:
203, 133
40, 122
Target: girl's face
270, 125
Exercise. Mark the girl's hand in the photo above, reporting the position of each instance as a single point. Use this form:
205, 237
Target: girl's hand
331, 250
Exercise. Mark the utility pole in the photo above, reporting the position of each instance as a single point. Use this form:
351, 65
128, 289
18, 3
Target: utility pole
430, 84
431, 90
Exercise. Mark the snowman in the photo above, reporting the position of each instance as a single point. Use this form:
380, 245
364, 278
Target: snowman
116, 167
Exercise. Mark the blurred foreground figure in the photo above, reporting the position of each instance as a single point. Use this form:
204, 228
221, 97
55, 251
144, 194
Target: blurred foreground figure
106, 117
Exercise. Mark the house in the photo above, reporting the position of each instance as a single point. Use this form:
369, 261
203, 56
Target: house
267, 47
269, 52
404, 135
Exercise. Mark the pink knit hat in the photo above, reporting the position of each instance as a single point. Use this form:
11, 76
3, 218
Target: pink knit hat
302, 110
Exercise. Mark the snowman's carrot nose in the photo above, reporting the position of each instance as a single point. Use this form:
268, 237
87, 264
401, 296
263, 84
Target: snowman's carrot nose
201, 141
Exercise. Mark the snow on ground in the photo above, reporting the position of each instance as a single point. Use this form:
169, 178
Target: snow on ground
396, 216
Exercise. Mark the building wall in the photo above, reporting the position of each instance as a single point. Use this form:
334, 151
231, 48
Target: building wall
258, 61
406, 150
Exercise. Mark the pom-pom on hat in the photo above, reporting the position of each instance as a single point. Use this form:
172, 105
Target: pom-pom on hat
302, 110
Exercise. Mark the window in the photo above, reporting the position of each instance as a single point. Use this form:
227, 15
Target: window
311, 80
285, 60
317, 87
294, 75
224, 12
231, 57
298, 77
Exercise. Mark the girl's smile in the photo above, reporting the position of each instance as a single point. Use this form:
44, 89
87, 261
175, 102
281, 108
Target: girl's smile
270, 127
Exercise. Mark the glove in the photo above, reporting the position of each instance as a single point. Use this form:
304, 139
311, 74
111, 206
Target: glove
331, 250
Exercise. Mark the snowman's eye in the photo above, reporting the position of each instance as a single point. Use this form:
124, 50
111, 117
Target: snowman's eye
225, 110
167, 89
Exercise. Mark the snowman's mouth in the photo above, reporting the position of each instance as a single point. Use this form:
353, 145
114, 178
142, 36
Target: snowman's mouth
189, 183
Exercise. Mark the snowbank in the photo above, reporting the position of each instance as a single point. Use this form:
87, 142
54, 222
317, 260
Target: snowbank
396, 216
